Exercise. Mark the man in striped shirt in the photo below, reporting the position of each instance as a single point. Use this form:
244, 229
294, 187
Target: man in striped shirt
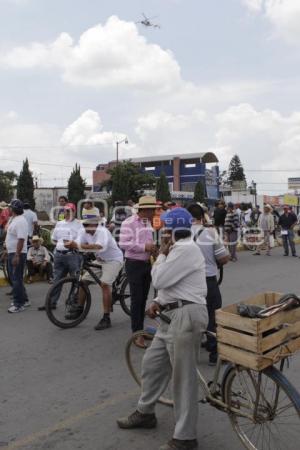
231, 229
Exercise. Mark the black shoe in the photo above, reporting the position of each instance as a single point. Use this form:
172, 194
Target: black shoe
213, 359
74, 312
43, 308
10, 293
286, 254
138, 420
295, 256
176, 444
103, 324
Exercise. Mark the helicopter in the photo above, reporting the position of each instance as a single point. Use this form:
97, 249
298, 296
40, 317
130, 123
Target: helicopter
147, 22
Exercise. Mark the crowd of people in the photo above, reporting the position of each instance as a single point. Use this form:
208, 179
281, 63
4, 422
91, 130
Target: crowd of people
177, 249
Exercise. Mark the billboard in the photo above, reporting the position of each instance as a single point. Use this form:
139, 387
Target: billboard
294, 183
291, 200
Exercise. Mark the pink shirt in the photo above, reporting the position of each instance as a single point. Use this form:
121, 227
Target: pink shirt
135, 233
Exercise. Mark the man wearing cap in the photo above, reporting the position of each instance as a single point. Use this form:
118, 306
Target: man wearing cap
31, 218
16, 246
38, 260
287, 221
97, 239
215, 255
66, 260
136, 239
179, 276
267, 226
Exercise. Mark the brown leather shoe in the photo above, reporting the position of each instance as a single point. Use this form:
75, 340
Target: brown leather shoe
138, 420
176, 444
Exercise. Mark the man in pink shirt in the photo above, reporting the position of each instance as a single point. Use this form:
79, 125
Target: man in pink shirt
136, 239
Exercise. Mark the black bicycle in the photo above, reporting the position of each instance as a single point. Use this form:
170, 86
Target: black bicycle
69, 293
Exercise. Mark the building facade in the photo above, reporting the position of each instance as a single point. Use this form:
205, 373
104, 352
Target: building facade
182, 171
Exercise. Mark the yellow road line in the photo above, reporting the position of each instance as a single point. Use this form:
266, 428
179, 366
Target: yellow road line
28, 440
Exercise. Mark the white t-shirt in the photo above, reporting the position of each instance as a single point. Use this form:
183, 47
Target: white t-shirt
66, 231
110, 250
31, 218
17, 229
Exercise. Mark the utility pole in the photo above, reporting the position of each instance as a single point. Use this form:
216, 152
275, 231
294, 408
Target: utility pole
125, 140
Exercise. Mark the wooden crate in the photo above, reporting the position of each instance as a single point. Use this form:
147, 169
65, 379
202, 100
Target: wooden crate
257, 343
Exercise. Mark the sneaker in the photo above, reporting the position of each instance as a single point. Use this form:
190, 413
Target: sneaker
138, 420
176, 444
104, 323
74, 312
27, 304
15, 309
43, 308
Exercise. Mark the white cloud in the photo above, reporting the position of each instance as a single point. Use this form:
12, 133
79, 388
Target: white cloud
113, 54
284, 15
87, 130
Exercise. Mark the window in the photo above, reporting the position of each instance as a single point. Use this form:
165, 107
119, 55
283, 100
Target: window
190, 165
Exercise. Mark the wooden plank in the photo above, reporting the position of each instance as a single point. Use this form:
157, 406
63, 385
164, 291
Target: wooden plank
278, 319
290, 332
277, 354
237, 339
238, 356
255, 361
236, 322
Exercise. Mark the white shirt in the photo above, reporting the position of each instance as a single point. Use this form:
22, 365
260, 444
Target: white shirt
17, 229
31, 218
66, 231
110, 250
181, 274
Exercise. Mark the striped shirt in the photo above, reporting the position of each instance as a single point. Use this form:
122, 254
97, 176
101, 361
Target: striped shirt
232, 222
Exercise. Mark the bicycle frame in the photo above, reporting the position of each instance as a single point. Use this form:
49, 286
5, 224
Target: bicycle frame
211, 393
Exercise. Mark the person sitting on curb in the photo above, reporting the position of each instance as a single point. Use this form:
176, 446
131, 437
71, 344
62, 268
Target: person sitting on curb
179, 276
38, 260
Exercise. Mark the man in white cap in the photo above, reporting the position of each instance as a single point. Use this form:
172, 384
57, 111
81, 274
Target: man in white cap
136, 239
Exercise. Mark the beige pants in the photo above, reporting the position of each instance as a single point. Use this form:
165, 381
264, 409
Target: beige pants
174, 353
266, 243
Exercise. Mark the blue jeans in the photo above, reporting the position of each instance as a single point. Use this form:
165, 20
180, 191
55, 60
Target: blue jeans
289, 239
17, 278
64, 264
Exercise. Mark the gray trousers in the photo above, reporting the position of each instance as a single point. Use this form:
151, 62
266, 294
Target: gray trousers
174, 354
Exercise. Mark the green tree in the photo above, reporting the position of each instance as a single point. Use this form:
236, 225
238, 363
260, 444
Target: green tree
25, 185
199, 193
236, 170
7, 180
76, 185
162, 188
128, 182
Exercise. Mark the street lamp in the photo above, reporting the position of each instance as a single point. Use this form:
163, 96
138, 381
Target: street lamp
125, 140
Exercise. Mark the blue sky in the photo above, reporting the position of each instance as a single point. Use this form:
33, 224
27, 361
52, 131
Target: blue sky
219, 75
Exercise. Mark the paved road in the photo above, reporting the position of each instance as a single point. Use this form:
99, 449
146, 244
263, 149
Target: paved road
63, 390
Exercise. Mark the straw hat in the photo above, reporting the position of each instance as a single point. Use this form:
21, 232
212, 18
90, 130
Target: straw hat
269, 207
37, 238
147, 202
3, 205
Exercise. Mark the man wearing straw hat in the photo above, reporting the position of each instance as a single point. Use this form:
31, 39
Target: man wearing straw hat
38, 260
136, 239
267, 226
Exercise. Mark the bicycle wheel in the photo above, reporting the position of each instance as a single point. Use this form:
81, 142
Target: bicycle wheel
271, 403
68, 313
134, 358
125, 297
